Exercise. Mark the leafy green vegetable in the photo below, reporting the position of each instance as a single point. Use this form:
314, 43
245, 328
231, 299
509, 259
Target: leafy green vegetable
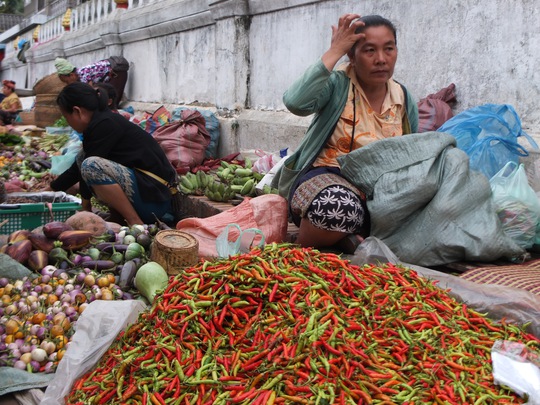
10, 139
61, 123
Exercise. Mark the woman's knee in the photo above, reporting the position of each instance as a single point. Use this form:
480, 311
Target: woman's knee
337, 209
95, 170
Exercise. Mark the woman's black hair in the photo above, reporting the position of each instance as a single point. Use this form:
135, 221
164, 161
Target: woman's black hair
375, 21
83, 95
110, 91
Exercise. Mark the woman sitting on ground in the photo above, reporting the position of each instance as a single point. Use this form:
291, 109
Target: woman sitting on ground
354, 105
11, 104
120, 164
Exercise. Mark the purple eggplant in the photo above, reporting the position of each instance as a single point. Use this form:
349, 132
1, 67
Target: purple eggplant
110, 247
99, 265
127, 275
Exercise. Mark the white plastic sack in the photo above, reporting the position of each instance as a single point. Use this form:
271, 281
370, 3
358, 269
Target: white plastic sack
516, 204
268, 177
517, 367
95, 330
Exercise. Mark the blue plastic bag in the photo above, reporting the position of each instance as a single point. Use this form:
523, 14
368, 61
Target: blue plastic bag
243, 243
488, 155
489, 135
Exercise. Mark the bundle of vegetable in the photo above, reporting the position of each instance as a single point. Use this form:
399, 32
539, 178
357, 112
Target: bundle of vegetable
52, 143
289, 325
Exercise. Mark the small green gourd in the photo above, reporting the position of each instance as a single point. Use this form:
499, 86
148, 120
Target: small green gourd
150, 279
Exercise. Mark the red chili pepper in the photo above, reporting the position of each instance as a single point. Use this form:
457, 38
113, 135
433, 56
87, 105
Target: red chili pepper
106, 396
129, 392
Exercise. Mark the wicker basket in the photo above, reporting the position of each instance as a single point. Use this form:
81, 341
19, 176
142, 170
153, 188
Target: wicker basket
46, 111
50, 84
174, 249
27, 118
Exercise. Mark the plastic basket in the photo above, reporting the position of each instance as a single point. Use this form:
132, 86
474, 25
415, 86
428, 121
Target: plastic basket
14, 217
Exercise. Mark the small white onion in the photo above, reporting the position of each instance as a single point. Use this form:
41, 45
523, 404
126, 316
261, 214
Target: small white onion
39, 355
48, 270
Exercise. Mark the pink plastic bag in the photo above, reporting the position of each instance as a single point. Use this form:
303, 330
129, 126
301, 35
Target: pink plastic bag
265, 162
267, 213
435, 109
184, 141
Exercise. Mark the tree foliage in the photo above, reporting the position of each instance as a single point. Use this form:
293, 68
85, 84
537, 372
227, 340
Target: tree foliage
11, 6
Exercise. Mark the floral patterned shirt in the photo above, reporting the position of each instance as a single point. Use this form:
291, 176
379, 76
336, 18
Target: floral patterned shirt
98, 72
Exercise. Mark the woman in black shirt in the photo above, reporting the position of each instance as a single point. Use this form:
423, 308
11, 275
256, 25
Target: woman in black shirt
121, 164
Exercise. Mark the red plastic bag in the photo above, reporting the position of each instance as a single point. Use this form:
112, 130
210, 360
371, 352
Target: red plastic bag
184, 141
435, 109
267, 213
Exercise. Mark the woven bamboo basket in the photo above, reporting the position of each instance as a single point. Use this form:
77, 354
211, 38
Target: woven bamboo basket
174, 249
50, 84
46, 111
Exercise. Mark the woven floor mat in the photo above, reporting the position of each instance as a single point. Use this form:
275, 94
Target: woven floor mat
525, 276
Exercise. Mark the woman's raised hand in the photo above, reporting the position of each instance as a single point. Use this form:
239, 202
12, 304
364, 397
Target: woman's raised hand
343, 38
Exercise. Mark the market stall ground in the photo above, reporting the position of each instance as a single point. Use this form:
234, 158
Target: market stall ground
203, 207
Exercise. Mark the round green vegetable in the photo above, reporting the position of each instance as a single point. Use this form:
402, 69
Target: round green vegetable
151, 278
133, 251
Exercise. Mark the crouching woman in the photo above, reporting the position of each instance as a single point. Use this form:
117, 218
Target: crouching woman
123, 166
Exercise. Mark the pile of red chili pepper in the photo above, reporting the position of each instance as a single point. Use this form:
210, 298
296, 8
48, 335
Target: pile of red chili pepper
286, 325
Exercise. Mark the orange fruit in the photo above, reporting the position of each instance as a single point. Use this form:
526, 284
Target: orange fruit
103, 281
51, 299
38, 317
111, 277
57, 330
61, 341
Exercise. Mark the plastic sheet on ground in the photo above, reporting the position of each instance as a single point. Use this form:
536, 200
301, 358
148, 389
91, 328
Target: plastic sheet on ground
15, 380
46, 196
95, 330
12, 269
514, 305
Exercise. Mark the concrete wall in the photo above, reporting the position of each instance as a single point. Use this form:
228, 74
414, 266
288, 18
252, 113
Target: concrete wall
239, 56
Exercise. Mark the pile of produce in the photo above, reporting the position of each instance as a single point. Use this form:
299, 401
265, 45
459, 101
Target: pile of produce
24, 168
83, 240
75, 262
25, 160
224, 182
38, 315
285, 325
